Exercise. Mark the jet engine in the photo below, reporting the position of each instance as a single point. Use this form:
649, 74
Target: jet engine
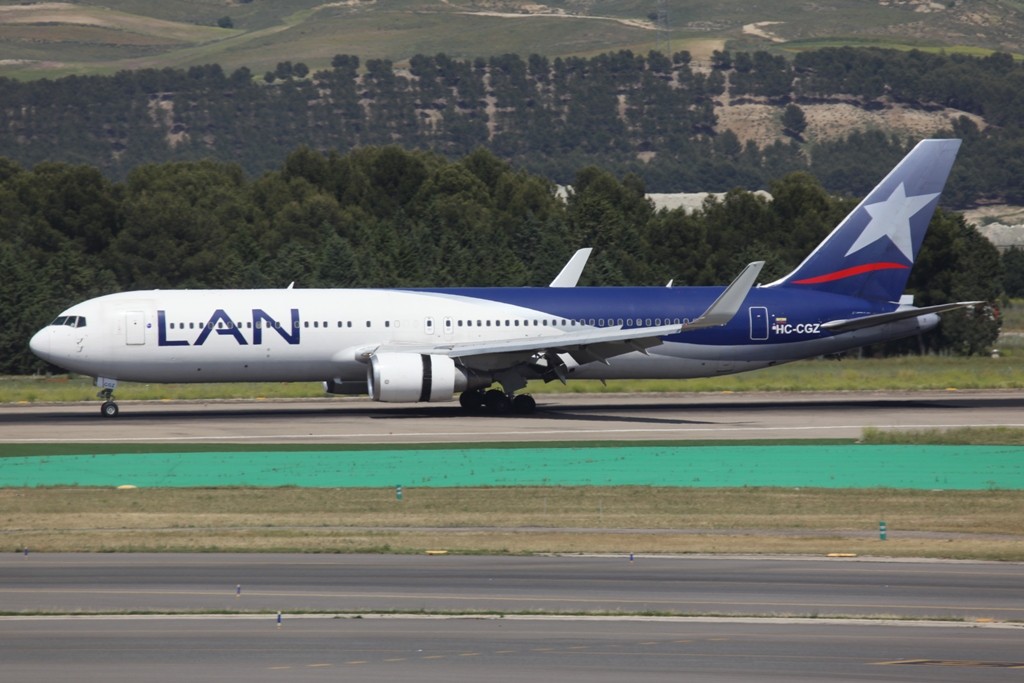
414, 377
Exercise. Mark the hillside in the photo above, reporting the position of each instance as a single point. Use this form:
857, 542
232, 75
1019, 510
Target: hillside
52, 39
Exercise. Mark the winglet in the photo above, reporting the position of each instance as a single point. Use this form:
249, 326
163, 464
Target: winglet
570, 274
728, 303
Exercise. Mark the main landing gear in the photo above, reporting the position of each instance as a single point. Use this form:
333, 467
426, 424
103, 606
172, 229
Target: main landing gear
496, 402
109, 408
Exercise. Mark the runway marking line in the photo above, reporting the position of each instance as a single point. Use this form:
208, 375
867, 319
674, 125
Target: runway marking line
318, 666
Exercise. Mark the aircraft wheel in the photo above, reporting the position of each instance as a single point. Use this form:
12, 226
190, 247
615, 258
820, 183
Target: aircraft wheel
109, 409
497, 402
524, 404
471, 401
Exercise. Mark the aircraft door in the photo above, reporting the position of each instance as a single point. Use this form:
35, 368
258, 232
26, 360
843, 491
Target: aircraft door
428, 326
758, 323
135, 328
449, 328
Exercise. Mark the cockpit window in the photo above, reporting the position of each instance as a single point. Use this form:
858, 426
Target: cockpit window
70, 321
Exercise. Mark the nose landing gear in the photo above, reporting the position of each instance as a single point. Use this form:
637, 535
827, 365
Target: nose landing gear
109, 408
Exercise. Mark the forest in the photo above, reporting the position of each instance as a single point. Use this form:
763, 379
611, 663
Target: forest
652, 116
385, 216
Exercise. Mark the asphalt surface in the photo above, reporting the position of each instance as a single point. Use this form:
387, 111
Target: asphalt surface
559, 417
258, 647
77, 583
429, 651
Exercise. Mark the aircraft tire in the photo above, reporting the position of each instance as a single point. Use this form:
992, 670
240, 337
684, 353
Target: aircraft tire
497, 402
109, 409
471, 401
524, 404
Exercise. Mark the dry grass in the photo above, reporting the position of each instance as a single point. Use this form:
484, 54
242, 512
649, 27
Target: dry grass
972, 524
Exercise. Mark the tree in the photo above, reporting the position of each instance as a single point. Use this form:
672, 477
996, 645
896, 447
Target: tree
794, 122
225, 22
1013, 272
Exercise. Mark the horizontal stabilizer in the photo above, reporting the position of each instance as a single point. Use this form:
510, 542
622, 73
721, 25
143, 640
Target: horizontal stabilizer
903, 314
728, 303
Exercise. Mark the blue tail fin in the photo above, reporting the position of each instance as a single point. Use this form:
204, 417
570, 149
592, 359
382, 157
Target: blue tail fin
870, 253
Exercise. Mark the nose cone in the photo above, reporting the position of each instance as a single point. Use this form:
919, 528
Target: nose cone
40, 343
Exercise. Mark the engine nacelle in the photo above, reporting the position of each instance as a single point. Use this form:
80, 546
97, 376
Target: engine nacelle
413, 377
336, 386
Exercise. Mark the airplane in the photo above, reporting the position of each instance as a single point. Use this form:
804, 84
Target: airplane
427, 345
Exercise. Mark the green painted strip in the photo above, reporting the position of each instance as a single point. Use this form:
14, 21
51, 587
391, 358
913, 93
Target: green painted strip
828, 466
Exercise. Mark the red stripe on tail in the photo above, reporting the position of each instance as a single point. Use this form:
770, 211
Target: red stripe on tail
850, 272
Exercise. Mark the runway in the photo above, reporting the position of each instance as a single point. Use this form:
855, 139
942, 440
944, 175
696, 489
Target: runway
89, 583
472, 650
501, 645
559, 417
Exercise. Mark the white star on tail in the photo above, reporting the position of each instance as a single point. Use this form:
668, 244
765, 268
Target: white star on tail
891, 218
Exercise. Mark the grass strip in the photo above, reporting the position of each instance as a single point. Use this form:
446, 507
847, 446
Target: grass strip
980, 525
1009, 436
